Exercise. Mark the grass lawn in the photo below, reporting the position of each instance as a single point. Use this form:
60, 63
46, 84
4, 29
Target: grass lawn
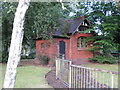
28, 77
109, 67
104, 77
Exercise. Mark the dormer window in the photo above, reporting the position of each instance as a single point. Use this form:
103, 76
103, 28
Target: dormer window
81, 42
83, 26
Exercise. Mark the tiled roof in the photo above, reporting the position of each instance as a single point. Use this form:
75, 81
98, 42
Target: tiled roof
74, 23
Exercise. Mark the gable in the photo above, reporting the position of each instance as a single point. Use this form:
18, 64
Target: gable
82, 26
78, 25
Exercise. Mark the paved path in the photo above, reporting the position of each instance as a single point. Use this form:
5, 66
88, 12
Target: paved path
51, 79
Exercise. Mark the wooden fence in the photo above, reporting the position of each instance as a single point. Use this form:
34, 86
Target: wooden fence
74, 76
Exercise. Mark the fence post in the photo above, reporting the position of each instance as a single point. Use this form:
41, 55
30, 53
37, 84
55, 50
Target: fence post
57, 67
70, 72
112, 80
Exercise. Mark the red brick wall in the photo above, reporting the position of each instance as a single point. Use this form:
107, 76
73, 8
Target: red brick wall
77, 53
72, 51
52, 50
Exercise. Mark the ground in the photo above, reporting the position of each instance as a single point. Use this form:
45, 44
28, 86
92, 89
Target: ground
28, 76
35, 68
50, 76
52, 81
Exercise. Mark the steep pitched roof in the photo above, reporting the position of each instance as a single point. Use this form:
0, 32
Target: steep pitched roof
59, 32
74, 23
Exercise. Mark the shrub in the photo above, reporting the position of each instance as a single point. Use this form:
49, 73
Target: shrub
52, 62
30, 56
44, 59
27, 57
104, 59
4, 58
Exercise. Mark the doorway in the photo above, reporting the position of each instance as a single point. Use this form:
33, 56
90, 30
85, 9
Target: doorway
62, 49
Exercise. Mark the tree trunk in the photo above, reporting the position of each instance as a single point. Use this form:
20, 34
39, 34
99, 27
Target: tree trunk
16, 44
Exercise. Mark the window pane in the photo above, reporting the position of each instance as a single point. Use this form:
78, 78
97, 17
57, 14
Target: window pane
81, 42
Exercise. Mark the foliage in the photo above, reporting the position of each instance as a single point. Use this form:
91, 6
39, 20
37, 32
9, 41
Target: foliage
4, 58
45, 19
104, 59
77, 9
44, 59
40, 21
105, 19
7, 9
31, 56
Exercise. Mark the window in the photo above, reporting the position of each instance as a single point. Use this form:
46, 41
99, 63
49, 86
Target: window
62, 49
83, 26
81, 42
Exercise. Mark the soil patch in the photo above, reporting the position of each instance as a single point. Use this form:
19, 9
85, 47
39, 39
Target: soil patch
52, 81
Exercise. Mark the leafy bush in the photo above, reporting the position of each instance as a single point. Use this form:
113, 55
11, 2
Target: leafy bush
4, 58
52, 62
104, 59
44, 59
30, 56
27, 57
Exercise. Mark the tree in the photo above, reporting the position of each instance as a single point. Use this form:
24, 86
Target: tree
0, 35
42, 19
8, 10
16, 44
104, 18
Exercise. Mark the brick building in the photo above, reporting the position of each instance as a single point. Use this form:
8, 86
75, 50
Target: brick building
71, 46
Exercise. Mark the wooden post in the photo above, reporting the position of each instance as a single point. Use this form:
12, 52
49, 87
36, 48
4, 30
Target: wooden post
81, 76
103, 79
86, 78
70, 76
96, 80
92, 81
111, 80
57, 66
63, 56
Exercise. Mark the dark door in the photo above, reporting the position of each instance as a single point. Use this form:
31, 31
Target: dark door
62, 48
